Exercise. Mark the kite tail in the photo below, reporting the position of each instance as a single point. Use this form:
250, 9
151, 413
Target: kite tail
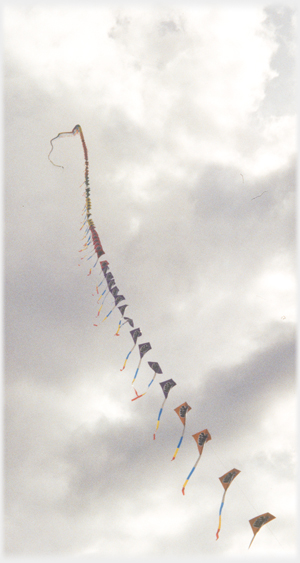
102, 303
136, 372
152, 380
220, 512
189, 475
127, 358
179, 444
120, 326
109, 313
65, 134
158, 419
251, 541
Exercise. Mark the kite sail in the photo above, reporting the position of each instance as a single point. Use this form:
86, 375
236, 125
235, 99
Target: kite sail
166, 387
201, 438
182, 411
259, 521
226, 480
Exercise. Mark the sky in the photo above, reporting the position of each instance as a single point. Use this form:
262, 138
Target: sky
189, 117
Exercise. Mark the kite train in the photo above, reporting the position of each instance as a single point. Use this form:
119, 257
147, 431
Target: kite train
93, 247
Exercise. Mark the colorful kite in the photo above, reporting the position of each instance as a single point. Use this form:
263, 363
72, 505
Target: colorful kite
182, 411
226, 480
201, 438
259, 521
166, 387
143, 349
135, 333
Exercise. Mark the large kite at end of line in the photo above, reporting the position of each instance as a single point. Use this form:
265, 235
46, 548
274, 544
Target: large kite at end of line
201, 438
259, 521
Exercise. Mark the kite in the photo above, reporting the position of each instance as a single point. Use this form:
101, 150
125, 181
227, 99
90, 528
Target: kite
201, 438
259, 521
156, 368
166, 387
143, 349
226, 480
182, 411
135, 333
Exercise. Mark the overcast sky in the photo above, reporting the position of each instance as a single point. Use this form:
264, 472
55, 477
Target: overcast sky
189, 117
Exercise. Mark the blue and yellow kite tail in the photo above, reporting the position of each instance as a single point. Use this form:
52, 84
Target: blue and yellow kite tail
220, 512
137, 369
179, 443
189, 475
127, 357
109, 313
158, 419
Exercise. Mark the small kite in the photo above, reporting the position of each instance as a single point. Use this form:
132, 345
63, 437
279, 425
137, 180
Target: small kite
156, 368
166, 387
135, 333
182, 411
226, 480
201, 438
143, 349
259, 521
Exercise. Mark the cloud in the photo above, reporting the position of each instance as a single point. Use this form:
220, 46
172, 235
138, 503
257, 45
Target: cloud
192, 189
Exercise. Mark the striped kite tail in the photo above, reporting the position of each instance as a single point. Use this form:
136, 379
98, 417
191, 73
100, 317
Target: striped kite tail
220, 512
179, 444
158, 419
127, 357
189, 475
